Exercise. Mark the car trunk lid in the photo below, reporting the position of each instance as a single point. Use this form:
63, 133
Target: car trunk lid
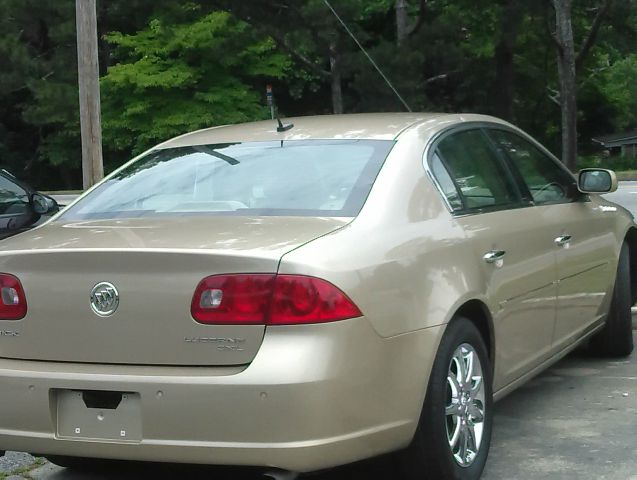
155, 267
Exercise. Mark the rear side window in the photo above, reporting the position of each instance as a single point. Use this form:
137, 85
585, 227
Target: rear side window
547, 182
480, 177
445, 182
306, 178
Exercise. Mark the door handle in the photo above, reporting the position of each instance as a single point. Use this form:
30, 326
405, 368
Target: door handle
562, 240
494, 255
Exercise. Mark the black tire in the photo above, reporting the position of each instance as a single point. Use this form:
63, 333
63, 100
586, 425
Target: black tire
429, 456
616, 338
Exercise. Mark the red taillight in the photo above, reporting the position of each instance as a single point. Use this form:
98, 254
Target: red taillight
232, 299
265, 299
13, 304
299, 299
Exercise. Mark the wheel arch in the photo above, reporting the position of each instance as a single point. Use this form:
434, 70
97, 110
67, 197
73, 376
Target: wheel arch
478, 313
631, 240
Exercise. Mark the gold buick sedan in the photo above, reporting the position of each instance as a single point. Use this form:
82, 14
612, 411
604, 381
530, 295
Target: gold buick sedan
301, 296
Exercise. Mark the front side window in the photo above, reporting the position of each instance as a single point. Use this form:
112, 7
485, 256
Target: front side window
547, 182
479, 175
306, 178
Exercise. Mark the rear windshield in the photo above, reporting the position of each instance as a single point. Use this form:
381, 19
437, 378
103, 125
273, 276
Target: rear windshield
306, 178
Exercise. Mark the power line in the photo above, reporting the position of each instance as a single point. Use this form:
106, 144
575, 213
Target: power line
367, 55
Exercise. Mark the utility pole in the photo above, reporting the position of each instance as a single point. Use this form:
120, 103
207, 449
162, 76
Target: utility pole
270, 98
89, 87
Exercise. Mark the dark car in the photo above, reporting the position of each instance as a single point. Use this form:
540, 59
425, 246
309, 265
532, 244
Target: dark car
21, 206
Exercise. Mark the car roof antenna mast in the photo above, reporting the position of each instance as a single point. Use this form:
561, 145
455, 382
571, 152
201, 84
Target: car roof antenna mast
270, 98
402, 100
283, 128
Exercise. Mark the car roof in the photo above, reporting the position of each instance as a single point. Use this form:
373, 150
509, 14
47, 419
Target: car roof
371, 126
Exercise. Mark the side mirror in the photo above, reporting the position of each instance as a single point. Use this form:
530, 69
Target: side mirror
43, 204
597, 180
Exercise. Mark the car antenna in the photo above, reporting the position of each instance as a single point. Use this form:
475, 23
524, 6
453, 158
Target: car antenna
402, 100
283, 128
274, 111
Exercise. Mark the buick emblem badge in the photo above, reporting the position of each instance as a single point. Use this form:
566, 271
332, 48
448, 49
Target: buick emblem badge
104, 299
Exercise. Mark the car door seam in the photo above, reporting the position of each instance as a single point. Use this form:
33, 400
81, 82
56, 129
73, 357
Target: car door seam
603, 264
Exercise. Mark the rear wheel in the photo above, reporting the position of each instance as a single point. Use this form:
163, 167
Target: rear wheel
454, 433
616, 339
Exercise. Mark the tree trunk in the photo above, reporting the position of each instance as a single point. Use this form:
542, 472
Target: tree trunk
567, 77
402, 21
510, 20
336, 78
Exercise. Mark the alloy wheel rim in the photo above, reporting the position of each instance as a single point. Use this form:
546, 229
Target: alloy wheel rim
465, 405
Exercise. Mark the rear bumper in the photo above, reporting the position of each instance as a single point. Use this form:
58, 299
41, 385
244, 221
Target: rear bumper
314, 397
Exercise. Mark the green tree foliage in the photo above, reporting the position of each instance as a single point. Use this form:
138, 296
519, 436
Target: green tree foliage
38, 91
620, 91
170, 67
17, 70
175, 77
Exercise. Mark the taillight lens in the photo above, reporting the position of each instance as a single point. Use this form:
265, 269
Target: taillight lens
298, 299
263, 299
232, 299
13, 303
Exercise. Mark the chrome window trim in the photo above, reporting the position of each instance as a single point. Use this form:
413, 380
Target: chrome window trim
445, 200
433, 178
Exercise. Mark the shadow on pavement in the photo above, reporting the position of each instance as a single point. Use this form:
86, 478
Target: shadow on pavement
369, 470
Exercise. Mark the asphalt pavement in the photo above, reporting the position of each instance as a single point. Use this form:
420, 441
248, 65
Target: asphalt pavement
577, 420
64, 199
626, 196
